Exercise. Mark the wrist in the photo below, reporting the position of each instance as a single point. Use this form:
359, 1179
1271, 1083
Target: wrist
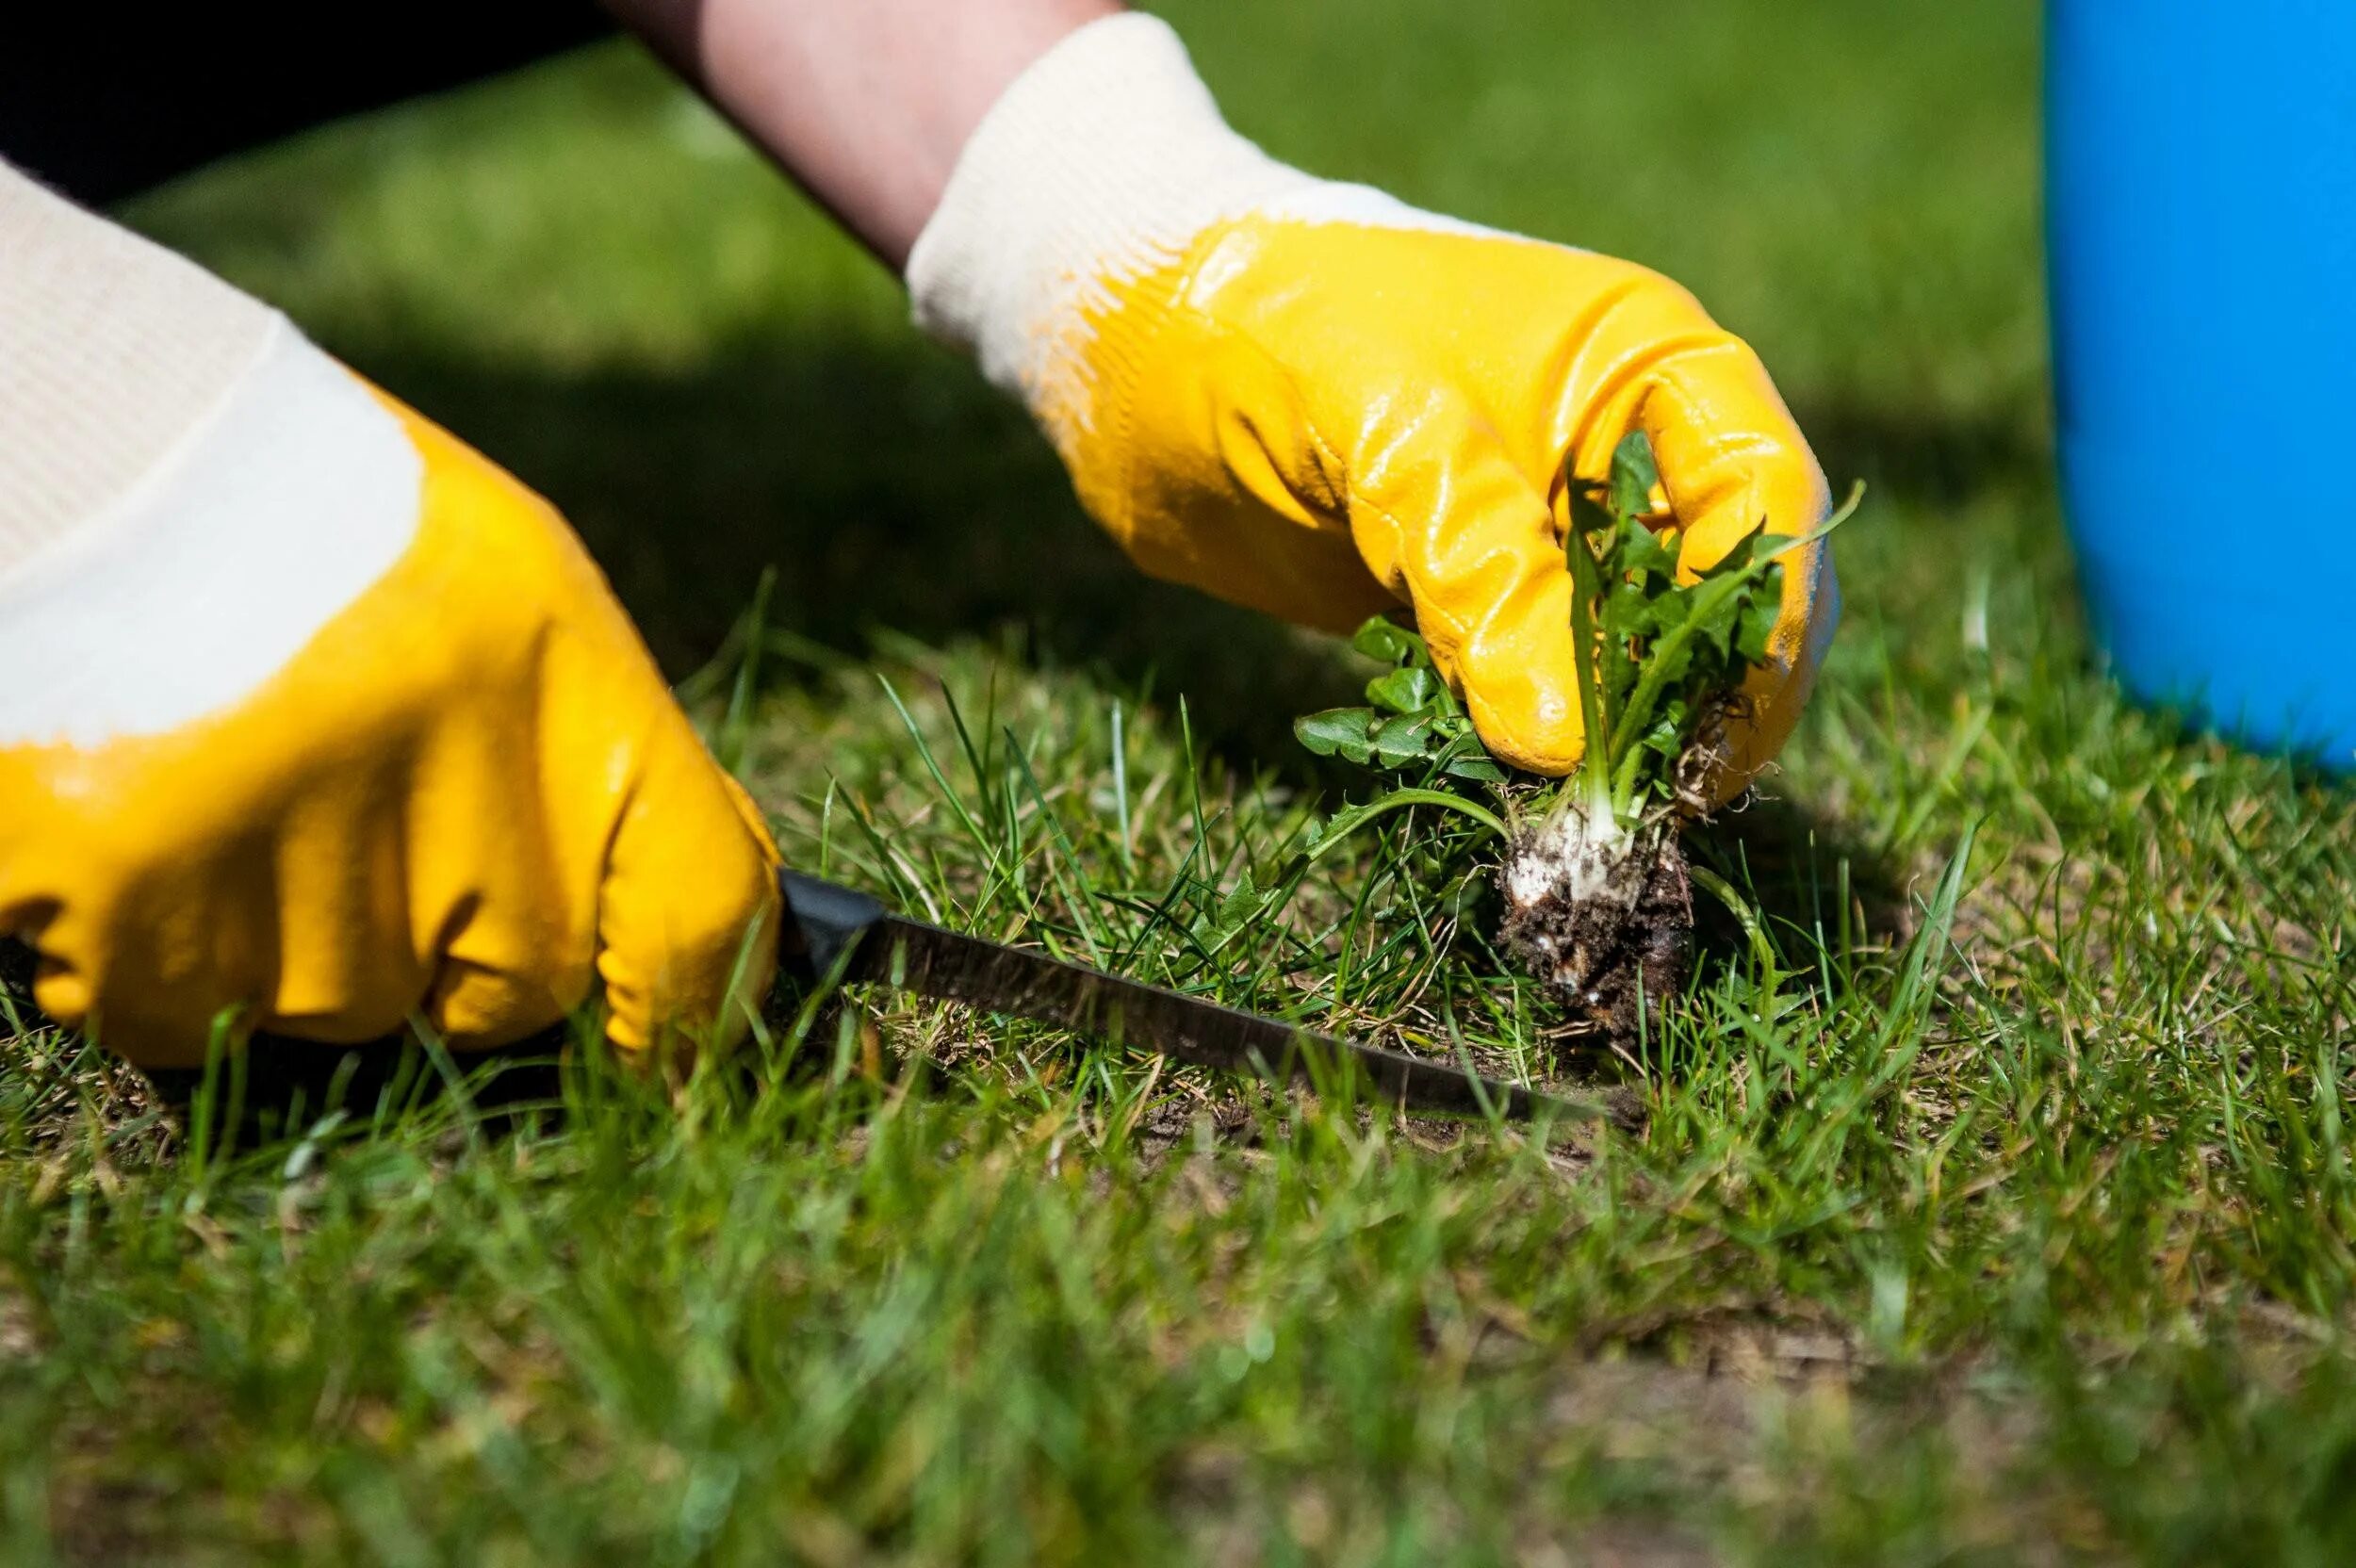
867, 103
1106, 158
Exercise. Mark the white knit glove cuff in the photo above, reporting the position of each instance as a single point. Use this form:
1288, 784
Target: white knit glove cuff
112, 351
1103, 160
188, 489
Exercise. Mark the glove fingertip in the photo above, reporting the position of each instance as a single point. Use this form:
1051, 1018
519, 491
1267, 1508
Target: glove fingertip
688, 916
1528, 735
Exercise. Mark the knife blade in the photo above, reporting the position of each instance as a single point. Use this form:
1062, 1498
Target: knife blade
839, 933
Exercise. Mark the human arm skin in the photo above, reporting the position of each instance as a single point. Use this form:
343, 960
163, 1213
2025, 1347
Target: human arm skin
866, 103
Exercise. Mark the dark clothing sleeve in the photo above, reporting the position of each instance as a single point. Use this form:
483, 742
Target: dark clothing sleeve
102, 102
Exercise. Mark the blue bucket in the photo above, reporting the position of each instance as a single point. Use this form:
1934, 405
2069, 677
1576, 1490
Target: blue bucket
2200, 225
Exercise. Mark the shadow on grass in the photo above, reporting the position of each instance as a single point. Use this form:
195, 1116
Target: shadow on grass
286, 1085
1799, 868
1935, 460
890, 489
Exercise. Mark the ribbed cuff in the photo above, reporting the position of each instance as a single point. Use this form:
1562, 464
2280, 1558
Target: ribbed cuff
1105, 159
113, 352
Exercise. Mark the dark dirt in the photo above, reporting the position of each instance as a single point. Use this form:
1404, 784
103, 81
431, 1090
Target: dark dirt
1609, 958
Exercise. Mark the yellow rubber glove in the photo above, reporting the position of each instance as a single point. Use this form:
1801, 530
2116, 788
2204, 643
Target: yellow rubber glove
1312, 400
334, 724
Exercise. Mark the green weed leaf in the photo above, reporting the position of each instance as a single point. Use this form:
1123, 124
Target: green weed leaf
1657, 657
1633, 475
1402, 741
1413, 690
1239, 908
1384, 639
1343, 732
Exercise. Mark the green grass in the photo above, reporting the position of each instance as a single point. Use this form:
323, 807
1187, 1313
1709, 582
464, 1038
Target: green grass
1996, 1207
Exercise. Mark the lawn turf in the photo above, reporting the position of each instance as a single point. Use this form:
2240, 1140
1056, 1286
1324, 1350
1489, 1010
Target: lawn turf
1994, 1205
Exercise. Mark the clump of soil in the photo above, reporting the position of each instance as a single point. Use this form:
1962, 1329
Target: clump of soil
1601, 914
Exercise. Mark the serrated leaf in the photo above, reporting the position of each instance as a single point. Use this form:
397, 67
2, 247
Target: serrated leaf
1633, 475
1674, 660
1715, 642
1642, 553
1629, 612
1240, 904
1758, 624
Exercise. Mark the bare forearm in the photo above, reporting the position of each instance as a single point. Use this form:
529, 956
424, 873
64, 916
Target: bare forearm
866, 103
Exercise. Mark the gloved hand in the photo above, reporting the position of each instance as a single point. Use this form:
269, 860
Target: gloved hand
1312, 400
327, 720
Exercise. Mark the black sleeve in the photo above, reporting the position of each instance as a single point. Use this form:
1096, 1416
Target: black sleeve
103, 101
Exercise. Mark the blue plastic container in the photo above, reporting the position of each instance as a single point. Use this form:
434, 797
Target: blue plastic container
2200, 217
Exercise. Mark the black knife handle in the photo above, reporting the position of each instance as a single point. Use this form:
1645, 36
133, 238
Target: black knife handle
823, 922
